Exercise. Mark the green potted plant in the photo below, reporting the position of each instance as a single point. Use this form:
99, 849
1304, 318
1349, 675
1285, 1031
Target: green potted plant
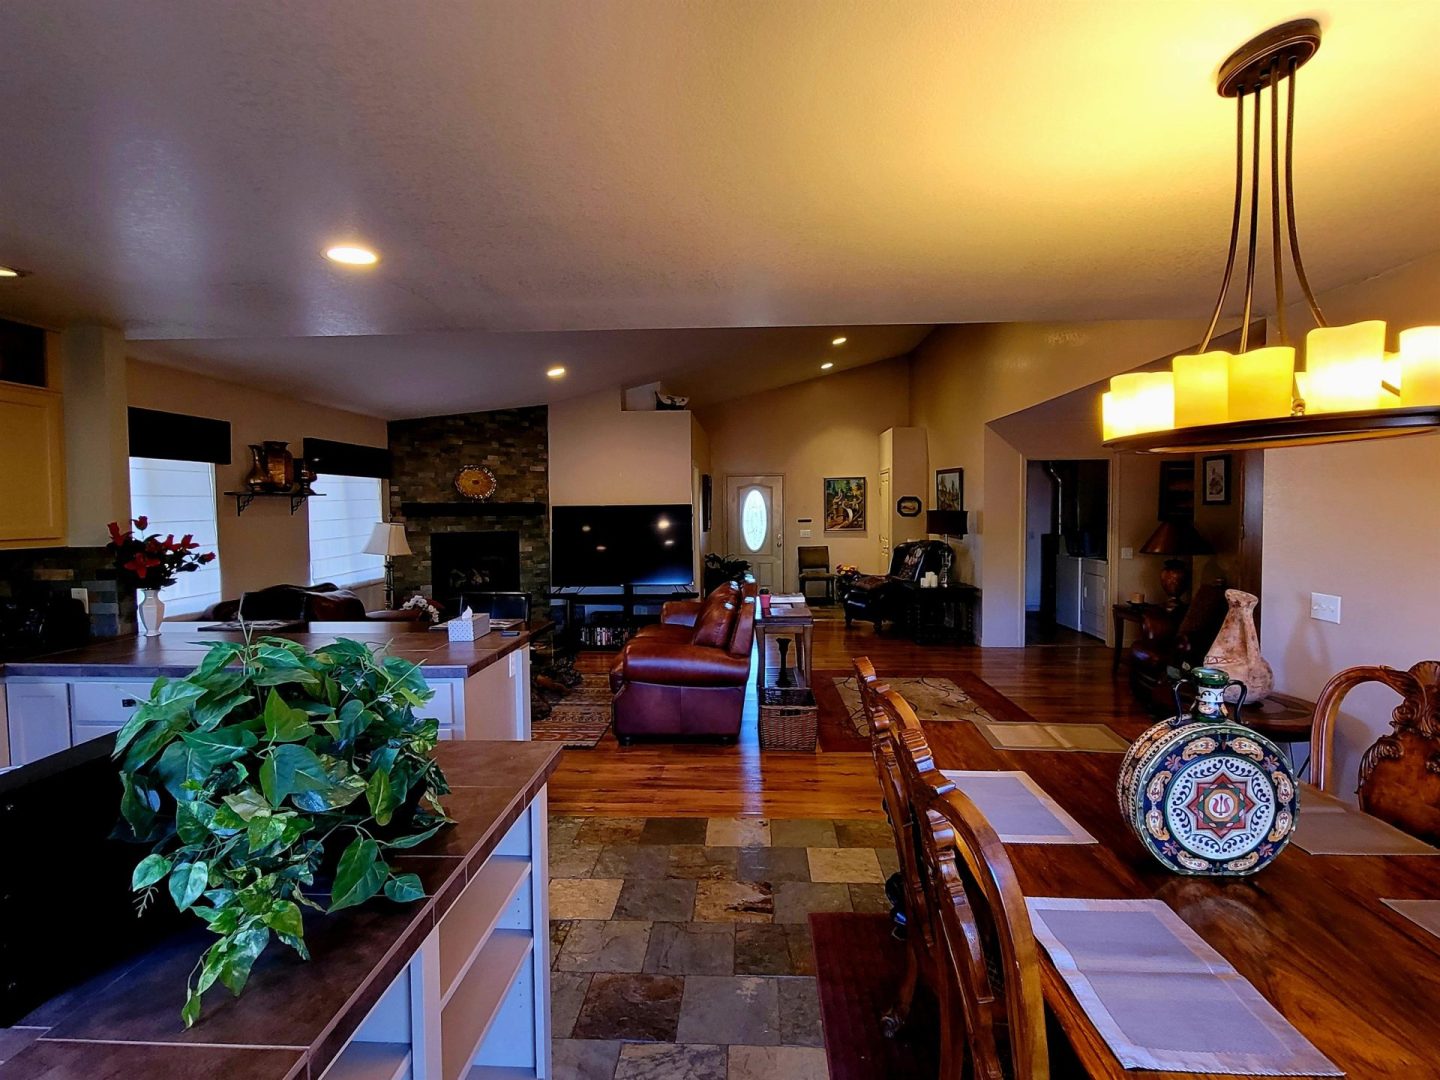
249, 775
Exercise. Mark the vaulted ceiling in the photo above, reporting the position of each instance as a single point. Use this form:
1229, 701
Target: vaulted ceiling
176, 167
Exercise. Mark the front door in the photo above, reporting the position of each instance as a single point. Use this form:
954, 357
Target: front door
754, 526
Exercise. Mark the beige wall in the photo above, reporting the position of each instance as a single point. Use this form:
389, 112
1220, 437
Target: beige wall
1360, 521
265, 545
965, 377
824, 427
600, 453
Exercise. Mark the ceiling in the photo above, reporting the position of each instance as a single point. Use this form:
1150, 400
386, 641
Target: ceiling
176, 167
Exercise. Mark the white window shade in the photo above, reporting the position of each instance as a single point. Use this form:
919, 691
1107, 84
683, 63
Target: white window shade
179, 497
340, 526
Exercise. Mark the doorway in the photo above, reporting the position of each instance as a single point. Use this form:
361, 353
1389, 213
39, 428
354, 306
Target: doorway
754, 526
1067, 575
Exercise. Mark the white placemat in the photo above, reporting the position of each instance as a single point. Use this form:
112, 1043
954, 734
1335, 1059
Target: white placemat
1328, 826
1018, 809
1163, 999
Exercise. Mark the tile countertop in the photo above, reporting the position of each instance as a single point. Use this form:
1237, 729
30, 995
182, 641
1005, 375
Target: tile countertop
294, 1016
181, 646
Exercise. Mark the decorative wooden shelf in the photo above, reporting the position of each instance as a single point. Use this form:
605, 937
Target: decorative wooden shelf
472, 509
243, 499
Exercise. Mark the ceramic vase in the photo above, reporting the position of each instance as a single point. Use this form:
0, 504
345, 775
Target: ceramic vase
279, 465
151, 610
1236, 649
257, 477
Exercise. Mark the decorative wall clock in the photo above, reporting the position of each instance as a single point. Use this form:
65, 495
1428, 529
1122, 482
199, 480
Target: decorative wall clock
475, 482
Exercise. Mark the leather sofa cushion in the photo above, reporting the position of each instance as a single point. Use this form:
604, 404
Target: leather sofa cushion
712, 628
682, 665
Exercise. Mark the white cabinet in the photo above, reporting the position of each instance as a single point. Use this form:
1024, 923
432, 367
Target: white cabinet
497, 700
1094, 595
98, 708
38, 716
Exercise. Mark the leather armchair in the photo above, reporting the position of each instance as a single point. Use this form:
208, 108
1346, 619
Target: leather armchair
878, 597
1173, 640
672, 680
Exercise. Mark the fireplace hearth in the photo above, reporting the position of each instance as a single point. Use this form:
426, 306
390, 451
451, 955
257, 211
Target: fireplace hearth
474, 562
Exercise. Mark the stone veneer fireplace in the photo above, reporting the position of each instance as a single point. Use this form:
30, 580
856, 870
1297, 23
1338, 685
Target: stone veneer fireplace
425, 455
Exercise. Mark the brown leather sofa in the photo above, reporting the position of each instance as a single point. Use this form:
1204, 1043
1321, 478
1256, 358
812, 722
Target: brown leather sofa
307, 603
678, 680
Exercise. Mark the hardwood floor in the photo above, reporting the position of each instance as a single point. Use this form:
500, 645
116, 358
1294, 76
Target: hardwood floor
1054, 683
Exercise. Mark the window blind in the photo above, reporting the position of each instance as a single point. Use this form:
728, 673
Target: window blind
179, 497
340, 527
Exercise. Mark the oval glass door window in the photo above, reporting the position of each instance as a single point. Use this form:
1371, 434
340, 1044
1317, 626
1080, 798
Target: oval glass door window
754, 520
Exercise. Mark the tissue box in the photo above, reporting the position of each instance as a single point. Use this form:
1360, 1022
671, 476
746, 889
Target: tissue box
467, 627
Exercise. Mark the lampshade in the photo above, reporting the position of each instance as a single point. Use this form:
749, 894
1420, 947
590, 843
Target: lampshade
1176, 538
387, 539
1345, 365
1420, 366
946, 522
1202, 388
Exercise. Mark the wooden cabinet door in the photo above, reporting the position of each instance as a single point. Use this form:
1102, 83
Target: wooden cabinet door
32, 467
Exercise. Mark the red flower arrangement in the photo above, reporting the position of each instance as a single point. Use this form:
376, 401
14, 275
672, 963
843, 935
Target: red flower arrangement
153, 562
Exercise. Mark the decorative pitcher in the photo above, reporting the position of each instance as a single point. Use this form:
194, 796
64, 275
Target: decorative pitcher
279, 465
1205, 794
1236, 649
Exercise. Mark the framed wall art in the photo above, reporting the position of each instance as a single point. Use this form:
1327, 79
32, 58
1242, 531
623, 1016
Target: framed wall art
1215, 480
844, 504
949, 489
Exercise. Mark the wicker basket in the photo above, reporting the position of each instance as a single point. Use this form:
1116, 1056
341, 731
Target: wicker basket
788, 718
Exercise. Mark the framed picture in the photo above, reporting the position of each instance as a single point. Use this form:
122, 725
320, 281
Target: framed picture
1215, 480
1177, 490
949, 489
844, 504
908, 506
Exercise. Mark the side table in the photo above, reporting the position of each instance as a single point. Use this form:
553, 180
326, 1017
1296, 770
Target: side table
944, 612
1120, 615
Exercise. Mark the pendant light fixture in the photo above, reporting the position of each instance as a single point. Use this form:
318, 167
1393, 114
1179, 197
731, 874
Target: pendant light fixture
1349, 388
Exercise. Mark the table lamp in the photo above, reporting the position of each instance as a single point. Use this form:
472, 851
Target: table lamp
1175, 538
388, 539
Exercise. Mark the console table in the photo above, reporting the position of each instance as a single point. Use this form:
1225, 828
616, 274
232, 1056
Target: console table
797, 621
626, 598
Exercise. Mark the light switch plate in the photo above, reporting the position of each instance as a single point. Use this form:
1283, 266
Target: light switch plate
83, 595
1127, 553
805, 534
1325, 607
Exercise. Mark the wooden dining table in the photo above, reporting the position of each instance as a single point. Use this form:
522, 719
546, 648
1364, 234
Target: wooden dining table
1310, 932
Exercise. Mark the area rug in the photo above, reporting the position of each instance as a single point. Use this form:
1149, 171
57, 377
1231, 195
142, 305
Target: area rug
858, 968
1004, 724
580, 719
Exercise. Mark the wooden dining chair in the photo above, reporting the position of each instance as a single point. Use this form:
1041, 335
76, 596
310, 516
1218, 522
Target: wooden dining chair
986, 962
920, 946
1399, 779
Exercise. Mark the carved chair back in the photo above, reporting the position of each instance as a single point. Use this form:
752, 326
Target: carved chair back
992, 1013
901, 815
1399, 779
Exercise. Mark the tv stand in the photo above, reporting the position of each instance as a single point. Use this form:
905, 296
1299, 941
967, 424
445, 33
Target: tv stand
624, 596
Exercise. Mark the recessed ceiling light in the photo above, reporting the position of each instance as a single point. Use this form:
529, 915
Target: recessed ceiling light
9, 271
352, 255
826, 366
555, 372
840, 340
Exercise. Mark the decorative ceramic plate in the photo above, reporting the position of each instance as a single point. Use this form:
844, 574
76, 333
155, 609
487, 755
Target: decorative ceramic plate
475, 482
1213, 798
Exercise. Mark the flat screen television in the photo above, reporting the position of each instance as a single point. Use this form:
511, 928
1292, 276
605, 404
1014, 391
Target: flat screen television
621, 545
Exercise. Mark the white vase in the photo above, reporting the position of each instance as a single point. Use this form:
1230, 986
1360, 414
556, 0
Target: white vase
151, 610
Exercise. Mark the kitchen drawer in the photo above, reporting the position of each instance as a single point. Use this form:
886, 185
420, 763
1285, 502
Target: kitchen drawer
98, 707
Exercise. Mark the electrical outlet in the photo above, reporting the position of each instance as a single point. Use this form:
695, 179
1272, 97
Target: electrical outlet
83, 595
1324, 607
1127, 553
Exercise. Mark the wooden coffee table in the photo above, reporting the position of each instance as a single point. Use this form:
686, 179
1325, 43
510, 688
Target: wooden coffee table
797, 622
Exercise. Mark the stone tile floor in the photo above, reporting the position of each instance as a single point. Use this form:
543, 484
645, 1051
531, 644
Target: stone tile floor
681, 946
